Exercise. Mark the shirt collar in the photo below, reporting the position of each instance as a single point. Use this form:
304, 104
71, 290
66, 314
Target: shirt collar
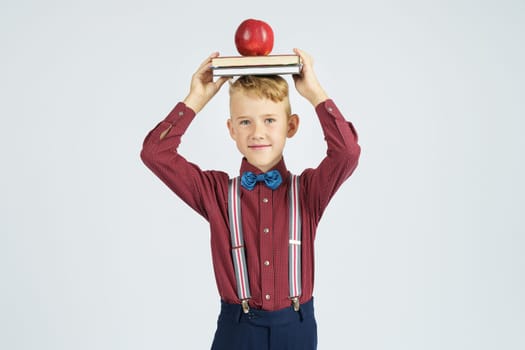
246, 166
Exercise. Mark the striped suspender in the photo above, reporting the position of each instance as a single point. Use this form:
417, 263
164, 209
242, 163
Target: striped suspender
294, 255
237, 242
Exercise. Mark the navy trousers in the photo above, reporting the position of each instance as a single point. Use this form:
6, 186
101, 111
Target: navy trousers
284, 329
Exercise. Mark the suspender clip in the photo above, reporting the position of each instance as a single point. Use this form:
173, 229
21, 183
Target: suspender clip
296, 304
245, 306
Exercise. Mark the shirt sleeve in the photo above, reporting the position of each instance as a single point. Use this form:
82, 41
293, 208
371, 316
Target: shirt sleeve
341, 159
194, 186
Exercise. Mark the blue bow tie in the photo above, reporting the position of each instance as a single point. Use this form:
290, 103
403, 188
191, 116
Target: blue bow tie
272, 179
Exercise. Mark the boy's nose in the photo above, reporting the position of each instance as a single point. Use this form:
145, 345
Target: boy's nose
258, 132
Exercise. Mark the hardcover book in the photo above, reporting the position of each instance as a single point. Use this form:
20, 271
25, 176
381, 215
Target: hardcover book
256, 65
257, 70
268, 60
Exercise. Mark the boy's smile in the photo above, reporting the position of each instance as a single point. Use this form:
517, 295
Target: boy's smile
260, 127
258, 147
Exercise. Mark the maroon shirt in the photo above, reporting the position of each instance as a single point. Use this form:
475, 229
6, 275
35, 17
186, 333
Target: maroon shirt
264, 212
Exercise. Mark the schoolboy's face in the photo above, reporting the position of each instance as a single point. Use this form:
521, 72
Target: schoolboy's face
260, 127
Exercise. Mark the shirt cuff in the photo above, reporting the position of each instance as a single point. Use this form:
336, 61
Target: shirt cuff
328, 107
180, 112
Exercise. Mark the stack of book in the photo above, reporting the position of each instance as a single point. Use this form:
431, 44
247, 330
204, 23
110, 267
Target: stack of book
256, 65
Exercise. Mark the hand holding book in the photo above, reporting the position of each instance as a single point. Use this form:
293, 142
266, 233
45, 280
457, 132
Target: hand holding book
307, 83
202, 87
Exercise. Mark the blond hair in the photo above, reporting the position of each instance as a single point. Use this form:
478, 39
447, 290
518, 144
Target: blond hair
272, 87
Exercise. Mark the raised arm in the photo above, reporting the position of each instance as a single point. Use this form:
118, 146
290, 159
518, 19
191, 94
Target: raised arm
343, 150
159, 151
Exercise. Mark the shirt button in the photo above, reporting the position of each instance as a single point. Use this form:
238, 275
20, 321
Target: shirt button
267, 296
181, 113
266, 263
266, 230
265, 200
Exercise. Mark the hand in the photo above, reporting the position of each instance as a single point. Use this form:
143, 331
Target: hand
202, 87
306, 83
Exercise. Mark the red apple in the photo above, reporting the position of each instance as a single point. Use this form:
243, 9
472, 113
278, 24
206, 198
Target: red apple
254, 38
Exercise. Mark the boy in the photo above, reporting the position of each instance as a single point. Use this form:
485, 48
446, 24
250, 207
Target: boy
262, 224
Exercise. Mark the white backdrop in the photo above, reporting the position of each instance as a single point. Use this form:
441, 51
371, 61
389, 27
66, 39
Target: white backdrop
420, 249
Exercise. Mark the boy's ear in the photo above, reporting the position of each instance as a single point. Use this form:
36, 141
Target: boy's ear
229, 124
293, 125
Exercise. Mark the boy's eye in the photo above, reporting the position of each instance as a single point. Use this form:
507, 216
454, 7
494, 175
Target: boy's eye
244, 122
270, 120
